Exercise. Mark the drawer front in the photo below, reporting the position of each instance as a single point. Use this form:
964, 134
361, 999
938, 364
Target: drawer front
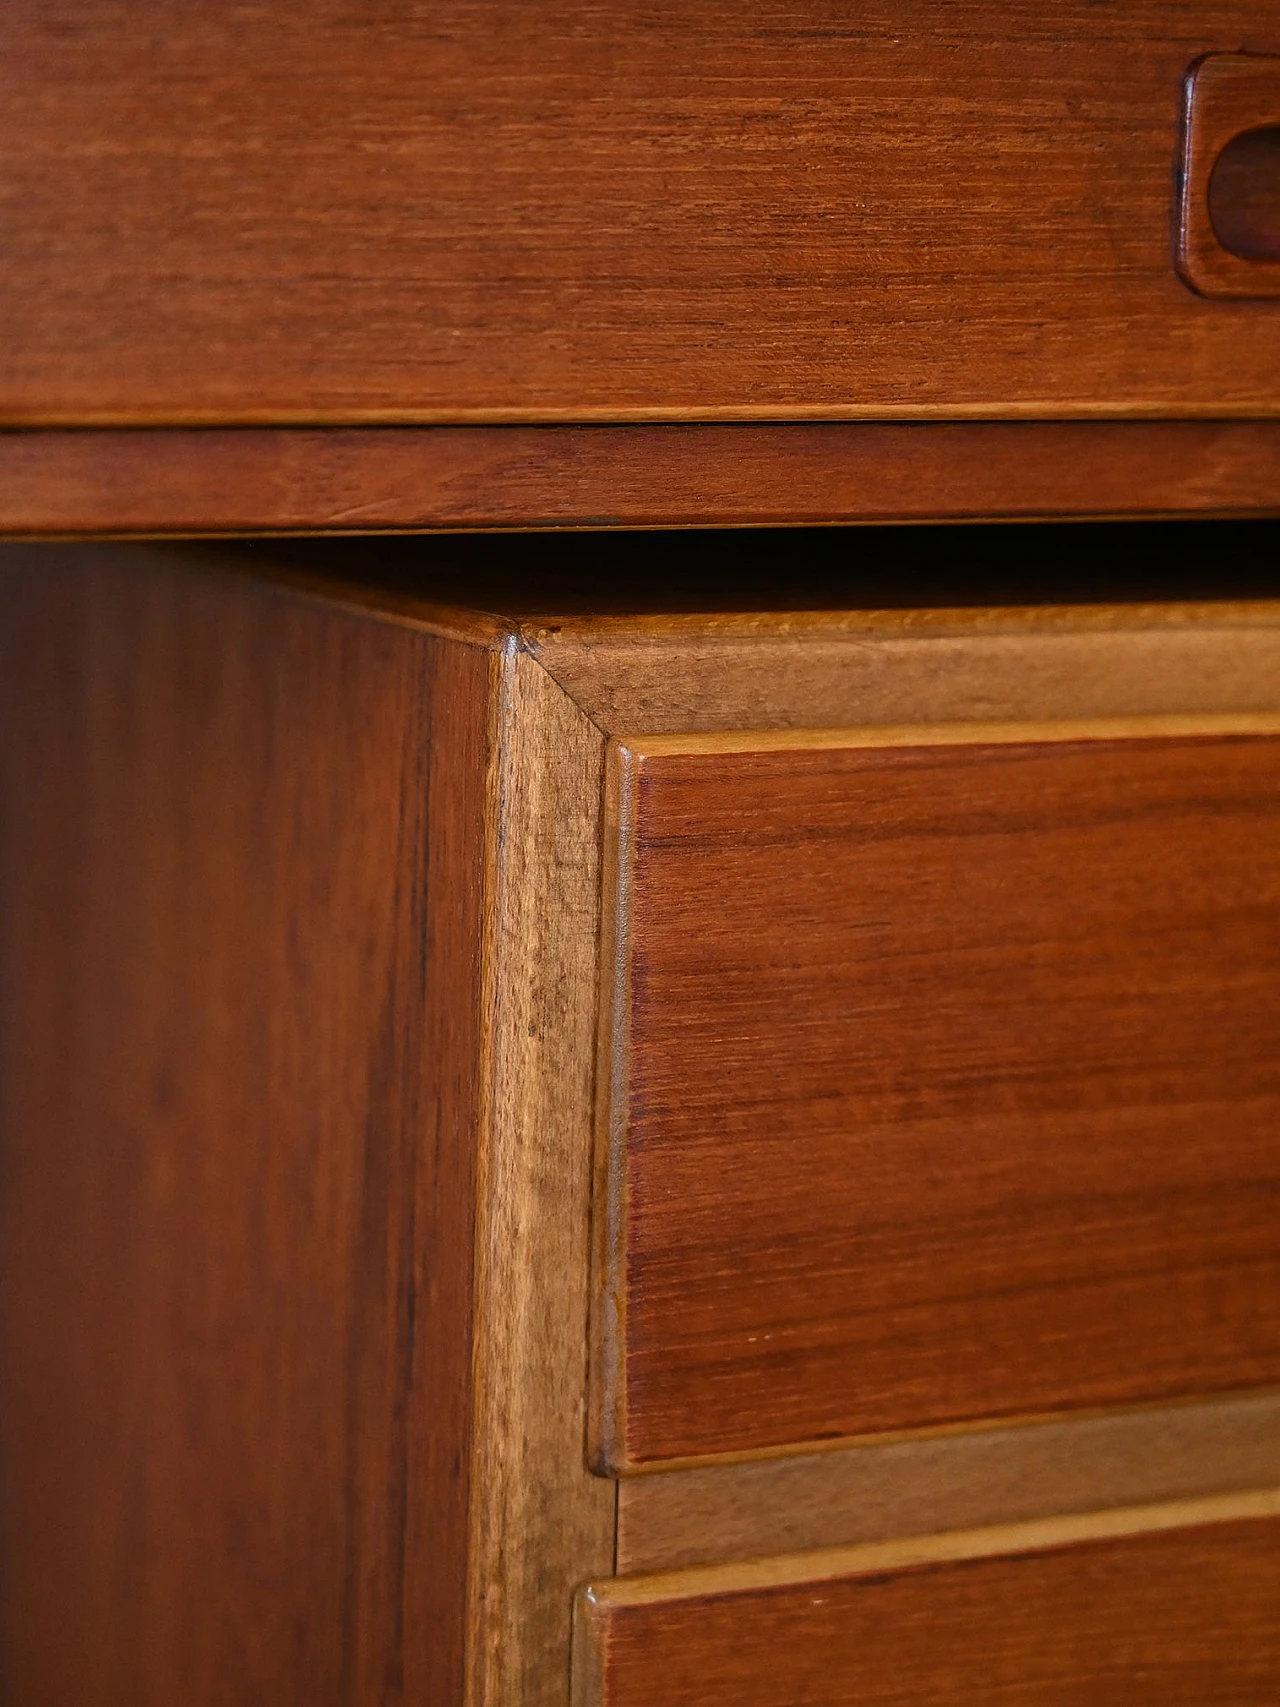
469, 211
944, 1081
1173, 1618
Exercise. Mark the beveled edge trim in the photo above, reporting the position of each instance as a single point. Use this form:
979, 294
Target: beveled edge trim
536, 1513
596, 1600
827, 670
1139, 407
872, 1557
907, 1436
960, 734
126, 480
549, 637
717, 1512
606, 1386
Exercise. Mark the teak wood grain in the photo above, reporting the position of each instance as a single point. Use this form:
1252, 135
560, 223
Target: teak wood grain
540, 1521
193, 481
242, 866
300, 928
945, 1082
478, 211
777, 671
300, 952
1050, 1615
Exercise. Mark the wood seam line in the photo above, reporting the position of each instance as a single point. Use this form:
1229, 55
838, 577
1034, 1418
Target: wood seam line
527, 1452
960, 733
865, 1558
529, 650
501, 696
547, 636
607, 1386
373, 604
604, 1427
1050, 411
987, 1476
810, 1449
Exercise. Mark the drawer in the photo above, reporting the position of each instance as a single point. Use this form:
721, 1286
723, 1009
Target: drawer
470, 211
1043, 1615
943, 1074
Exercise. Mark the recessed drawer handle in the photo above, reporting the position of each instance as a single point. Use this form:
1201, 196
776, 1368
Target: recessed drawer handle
1229, 214
1244, 195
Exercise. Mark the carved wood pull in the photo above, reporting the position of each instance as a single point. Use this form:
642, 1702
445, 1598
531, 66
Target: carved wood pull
1229, 206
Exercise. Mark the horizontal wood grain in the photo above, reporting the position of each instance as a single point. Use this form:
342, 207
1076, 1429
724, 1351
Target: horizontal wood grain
1169, 1606
478, 211
827, 669
913, 1056
264, 480
860, 1494
240, 1026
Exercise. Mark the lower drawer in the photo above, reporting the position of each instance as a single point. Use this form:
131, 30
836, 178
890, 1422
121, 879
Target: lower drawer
1073, 1613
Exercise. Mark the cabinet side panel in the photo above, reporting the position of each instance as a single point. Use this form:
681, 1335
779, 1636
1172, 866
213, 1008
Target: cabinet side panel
240, 996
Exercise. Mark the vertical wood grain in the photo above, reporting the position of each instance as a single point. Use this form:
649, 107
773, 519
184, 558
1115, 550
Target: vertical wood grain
243, 857
541, 1521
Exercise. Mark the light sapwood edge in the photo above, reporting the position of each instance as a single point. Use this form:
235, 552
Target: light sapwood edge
887, 669
586, 1651
714, 1513
544, 635
480, 1522
606, 1410
934, 1431
959, 734
536, 1511
623, 414
910, 1552
427, 527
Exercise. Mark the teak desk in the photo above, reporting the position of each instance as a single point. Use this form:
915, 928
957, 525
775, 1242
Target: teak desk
629, 1115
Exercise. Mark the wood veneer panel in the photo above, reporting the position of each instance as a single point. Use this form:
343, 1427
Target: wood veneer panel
243, 856
247, 480
1171, 1618
479, 211
945, 1083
